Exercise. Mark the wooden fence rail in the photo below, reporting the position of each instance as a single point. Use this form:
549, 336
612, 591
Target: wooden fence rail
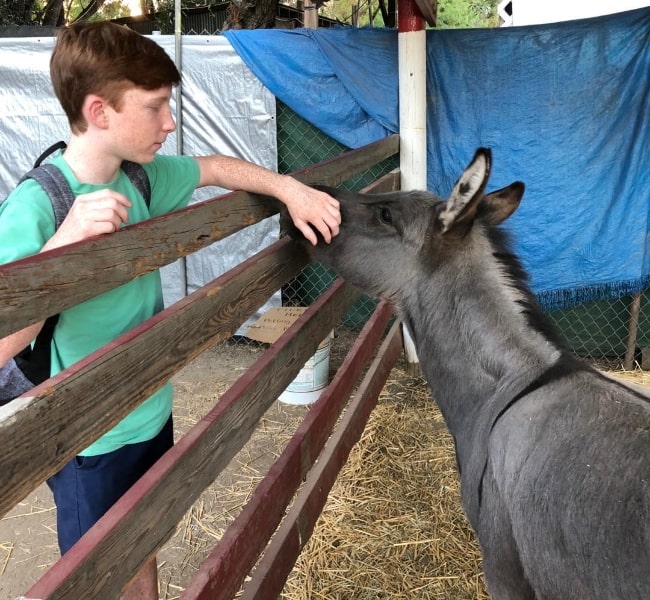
38, 435
143, 519
279, 557
36, 287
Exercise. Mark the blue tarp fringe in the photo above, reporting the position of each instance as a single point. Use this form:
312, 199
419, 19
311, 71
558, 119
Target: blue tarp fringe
552, 300
565, 108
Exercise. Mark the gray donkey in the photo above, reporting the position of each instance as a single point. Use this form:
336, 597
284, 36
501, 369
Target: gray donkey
554, 457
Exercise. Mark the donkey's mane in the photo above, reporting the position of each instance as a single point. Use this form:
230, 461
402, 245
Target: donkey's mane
501, 242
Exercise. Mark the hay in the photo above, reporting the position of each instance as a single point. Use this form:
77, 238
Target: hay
6, 548
636, 376
204, 524
393, 526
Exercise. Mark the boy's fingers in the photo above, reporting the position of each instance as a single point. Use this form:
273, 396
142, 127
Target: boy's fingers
307, 231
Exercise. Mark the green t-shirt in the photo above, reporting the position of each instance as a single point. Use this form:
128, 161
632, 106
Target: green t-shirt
27, 222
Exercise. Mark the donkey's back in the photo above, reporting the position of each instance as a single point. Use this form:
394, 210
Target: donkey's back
565, 493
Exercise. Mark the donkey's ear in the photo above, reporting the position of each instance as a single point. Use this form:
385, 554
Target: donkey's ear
465, 197
497, 206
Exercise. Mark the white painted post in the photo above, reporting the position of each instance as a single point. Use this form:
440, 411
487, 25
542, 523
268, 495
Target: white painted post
411, 40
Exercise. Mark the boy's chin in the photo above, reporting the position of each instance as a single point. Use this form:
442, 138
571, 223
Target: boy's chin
145, 159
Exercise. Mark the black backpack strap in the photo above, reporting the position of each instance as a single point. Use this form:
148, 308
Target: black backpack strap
51, 150
139, 178
34, 361
51, 179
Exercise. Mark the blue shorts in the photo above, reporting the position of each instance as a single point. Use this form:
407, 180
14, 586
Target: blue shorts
88, 486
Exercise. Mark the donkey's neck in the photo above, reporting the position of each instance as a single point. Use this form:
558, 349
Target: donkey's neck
476, 327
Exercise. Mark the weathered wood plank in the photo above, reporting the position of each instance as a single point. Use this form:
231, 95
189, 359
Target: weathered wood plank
220, 576
142, 519
105, 386
269, 577
42, 285
390, 182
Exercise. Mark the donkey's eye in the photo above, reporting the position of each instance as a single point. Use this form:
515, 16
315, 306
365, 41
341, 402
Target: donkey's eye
385, 216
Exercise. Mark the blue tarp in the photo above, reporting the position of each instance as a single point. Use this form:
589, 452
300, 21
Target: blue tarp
565, 107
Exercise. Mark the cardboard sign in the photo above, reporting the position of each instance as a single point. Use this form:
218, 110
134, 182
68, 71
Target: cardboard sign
273, 323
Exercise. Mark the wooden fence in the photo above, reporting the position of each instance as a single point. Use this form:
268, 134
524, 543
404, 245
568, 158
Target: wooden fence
39, 435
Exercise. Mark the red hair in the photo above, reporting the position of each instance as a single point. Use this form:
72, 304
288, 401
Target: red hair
106, 59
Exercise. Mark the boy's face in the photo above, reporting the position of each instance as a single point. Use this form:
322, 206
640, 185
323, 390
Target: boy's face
141, 124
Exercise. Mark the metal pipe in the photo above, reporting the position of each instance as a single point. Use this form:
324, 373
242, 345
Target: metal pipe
178, 59
633, 327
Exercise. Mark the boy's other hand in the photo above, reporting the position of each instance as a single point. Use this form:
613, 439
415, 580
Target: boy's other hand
91, 214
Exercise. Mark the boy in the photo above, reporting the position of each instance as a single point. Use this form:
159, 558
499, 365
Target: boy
115, 87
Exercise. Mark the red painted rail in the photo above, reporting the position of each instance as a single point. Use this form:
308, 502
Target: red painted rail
222, 573
279, 557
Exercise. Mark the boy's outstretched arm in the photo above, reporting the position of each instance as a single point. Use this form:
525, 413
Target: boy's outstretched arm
306, 205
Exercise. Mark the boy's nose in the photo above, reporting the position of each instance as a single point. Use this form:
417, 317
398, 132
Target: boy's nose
169, 124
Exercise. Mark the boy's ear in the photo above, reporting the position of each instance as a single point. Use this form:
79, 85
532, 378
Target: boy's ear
94, 110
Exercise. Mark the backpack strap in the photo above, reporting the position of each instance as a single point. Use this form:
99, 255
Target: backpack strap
51, 150
51, 179
55, 184
139, 178
57, 188
37, 367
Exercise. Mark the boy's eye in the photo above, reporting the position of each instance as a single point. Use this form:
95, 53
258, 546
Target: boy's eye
157, 106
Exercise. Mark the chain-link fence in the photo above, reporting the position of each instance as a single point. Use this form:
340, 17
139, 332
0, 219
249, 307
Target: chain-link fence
300, 145
614, 333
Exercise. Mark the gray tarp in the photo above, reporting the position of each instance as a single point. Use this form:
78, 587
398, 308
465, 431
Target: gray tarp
225, 110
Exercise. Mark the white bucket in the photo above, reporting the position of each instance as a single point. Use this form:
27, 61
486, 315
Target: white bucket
311, 379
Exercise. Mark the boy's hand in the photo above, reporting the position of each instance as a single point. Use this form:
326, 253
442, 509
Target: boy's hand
91, 214
308, 206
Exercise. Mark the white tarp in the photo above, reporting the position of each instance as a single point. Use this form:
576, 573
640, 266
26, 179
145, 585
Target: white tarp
534, 12
225, 109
